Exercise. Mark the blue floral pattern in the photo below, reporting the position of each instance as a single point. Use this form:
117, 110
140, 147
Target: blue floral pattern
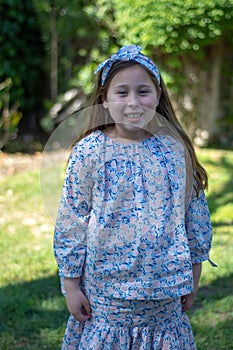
123, 226
130, 324
128, 53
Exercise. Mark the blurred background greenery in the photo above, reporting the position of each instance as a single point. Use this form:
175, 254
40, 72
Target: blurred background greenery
49, 50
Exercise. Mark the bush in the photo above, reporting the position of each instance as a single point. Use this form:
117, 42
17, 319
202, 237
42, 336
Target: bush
9, 115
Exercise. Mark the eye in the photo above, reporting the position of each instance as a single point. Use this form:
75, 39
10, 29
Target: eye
144, 91
122, 92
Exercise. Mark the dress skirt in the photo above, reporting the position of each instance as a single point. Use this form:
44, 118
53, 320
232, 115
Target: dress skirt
118, 324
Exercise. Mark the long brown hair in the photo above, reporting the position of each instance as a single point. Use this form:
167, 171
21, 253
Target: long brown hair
165, 109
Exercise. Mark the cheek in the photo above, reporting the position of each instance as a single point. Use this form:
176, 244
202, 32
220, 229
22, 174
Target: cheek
116, 106
115, 110
151, 103
156, 102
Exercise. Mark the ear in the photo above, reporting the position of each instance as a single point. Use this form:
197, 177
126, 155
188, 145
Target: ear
159, 93
105, 104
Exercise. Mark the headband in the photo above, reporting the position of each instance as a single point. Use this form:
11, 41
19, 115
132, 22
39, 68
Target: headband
128, 53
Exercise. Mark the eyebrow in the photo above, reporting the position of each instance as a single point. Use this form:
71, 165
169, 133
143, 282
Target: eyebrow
126, 85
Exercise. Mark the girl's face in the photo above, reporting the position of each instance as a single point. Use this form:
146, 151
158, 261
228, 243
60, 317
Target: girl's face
131, 99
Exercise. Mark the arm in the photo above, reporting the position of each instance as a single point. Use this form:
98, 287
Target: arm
199, 233
70, 231
188, 300
198, 228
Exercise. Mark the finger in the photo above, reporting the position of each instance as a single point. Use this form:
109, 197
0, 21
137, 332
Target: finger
80, 316
187, 302
184, 307
86, 307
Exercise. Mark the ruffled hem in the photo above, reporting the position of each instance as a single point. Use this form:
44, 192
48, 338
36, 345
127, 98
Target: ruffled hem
160, 325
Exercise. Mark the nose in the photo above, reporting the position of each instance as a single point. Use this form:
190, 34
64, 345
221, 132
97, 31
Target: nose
133, 100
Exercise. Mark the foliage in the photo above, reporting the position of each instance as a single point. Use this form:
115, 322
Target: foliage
85, 32
9, 115
173, 27
77, 33
82, 40
21, 53
190, 41
173, 32
33, 312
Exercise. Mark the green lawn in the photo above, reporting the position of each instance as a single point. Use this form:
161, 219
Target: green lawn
32, 310
212, 315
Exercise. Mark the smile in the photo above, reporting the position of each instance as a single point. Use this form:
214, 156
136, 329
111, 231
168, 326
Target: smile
133, 115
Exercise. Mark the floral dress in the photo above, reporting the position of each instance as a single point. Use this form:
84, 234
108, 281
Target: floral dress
124, 226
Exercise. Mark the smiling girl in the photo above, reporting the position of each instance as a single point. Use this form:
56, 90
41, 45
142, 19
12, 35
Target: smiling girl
131, 100
133, 227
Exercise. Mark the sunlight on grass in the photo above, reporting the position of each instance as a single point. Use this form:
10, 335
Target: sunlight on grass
33, 312
212, 315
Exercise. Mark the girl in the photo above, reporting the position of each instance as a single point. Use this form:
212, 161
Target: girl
133, 225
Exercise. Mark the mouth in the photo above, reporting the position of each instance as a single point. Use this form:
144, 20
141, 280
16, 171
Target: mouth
133, 116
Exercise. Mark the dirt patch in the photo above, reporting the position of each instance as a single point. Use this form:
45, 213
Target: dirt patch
11, 164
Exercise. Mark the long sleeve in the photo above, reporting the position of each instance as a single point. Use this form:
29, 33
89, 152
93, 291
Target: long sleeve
198, 228
73, 216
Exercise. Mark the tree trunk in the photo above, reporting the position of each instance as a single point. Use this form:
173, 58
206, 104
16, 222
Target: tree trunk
54, 53
209, 109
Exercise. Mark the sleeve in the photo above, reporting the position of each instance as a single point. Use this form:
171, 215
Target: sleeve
198, 228
73, 217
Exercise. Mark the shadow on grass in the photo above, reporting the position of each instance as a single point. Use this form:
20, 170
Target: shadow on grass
212, 315
220, 288
32, 315
223, 193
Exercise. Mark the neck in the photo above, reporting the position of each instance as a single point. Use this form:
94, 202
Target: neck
137, 135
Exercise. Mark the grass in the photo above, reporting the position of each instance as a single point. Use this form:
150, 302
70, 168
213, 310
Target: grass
212, 315
32, 310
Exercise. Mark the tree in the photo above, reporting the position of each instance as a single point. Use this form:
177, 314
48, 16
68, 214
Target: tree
9, 116
191, 42
70, 32
43, 45
21, 54
74, 39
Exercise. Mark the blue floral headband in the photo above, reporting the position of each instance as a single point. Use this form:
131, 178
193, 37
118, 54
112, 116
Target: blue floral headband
128, 53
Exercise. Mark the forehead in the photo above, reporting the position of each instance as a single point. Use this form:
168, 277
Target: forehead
136, 74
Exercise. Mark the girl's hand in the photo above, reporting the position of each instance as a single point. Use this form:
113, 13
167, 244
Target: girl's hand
187, 301
77, 303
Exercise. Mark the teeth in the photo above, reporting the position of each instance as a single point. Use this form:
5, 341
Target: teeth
134, 115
